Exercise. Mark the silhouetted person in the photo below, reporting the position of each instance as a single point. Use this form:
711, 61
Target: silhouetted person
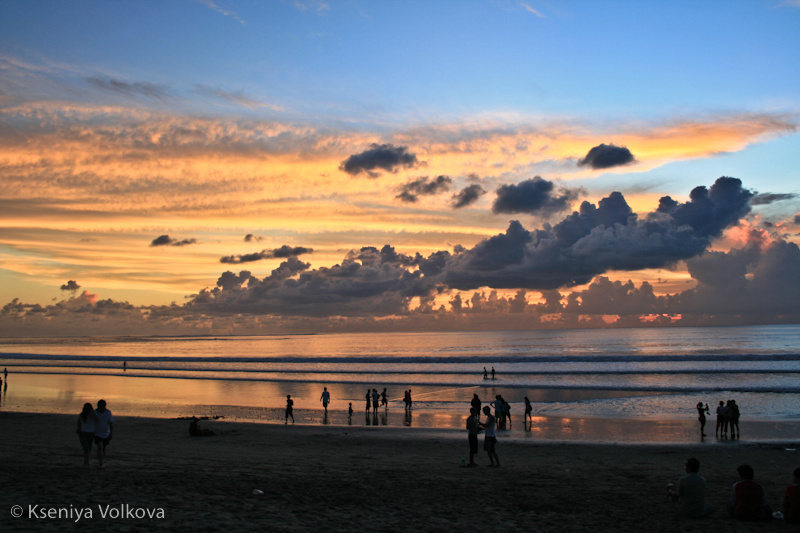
492, 372
485, 373
384, 399
350, 411
733, 419
103, 430
528, 409
701, 416
369, 399
722, 420
473, 429
289, 409
490, 438
691, 492
124, 366
475, 403
325, 398
748, 499
375, 401
85, 431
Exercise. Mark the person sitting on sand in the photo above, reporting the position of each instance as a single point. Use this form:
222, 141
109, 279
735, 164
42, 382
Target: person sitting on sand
748, 499
791, 500
691, 492
489, 438
103, 430
196, 431
85, 431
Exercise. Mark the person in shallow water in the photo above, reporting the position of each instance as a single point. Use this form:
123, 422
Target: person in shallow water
701, 416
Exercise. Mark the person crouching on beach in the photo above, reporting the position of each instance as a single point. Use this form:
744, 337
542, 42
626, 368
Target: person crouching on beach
103, 430
85, 431
490, 439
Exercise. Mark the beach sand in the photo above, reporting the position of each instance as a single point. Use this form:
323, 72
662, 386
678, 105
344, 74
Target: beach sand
366, 479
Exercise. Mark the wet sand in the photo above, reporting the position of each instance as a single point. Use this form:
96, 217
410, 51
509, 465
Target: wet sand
356, 478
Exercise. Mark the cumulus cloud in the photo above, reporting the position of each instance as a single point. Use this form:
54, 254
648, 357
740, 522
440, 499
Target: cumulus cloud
280, 253
535, 196
166, 240
424, 186
600, 238
467, 196
251, 238
128, 89
385, 157
71, 285
607, 156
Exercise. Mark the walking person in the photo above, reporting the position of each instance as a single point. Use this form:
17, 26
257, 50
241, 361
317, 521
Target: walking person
489, 437
325, 399
85, 431
528, 409
384, 399
289, 409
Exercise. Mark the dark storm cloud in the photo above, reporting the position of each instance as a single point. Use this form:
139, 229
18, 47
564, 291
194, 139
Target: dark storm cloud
136, 89
535, 196
424, 186
166, 240
71, 285
600, 238
280, 253
607, 156
769, 198
385, 157
467, 196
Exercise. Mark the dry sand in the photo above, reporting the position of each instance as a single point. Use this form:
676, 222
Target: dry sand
329, 478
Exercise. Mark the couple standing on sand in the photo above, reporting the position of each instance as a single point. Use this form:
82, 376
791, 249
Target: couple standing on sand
474, 427
95, 425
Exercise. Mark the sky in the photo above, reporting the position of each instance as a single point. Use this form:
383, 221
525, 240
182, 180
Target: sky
249, 167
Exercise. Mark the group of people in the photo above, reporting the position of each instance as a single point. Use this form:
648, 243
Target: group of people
475, 427
376, 400
727, 419
748, 499
95, 426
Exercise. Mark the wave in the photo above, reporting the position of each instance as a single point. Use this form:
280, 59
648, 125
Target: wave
417, 359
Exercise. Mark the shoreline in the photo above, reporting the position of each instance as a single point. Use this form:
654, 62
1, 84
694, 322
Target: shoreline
333, 478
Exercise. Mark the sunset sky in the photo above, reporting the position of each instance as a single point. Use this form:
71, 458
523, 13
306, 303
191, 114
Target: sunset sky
299, 166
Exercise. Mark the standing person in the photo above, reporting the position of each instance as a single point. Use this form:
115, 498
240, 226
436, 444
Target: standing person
701, 416
410, 401
325, 399
733, 419
103, 430
722, 414
289, 409
489, 437
492, 372
748, 499
349, 411
473, 428
475, 403
528, 409
85, 431
384, 400
375, 401
691, 494
485, 373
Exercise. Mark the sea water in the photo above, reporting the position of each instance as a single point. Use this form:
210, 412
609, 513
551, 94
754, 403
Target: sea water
653, 373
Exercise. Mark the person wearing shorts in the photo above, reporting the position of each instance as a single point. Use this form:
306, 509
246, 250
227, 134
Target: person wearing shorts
490, 439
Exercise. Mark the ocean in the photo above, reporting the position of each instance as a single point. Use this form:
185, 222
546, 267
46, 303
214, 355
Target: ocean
647, 373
